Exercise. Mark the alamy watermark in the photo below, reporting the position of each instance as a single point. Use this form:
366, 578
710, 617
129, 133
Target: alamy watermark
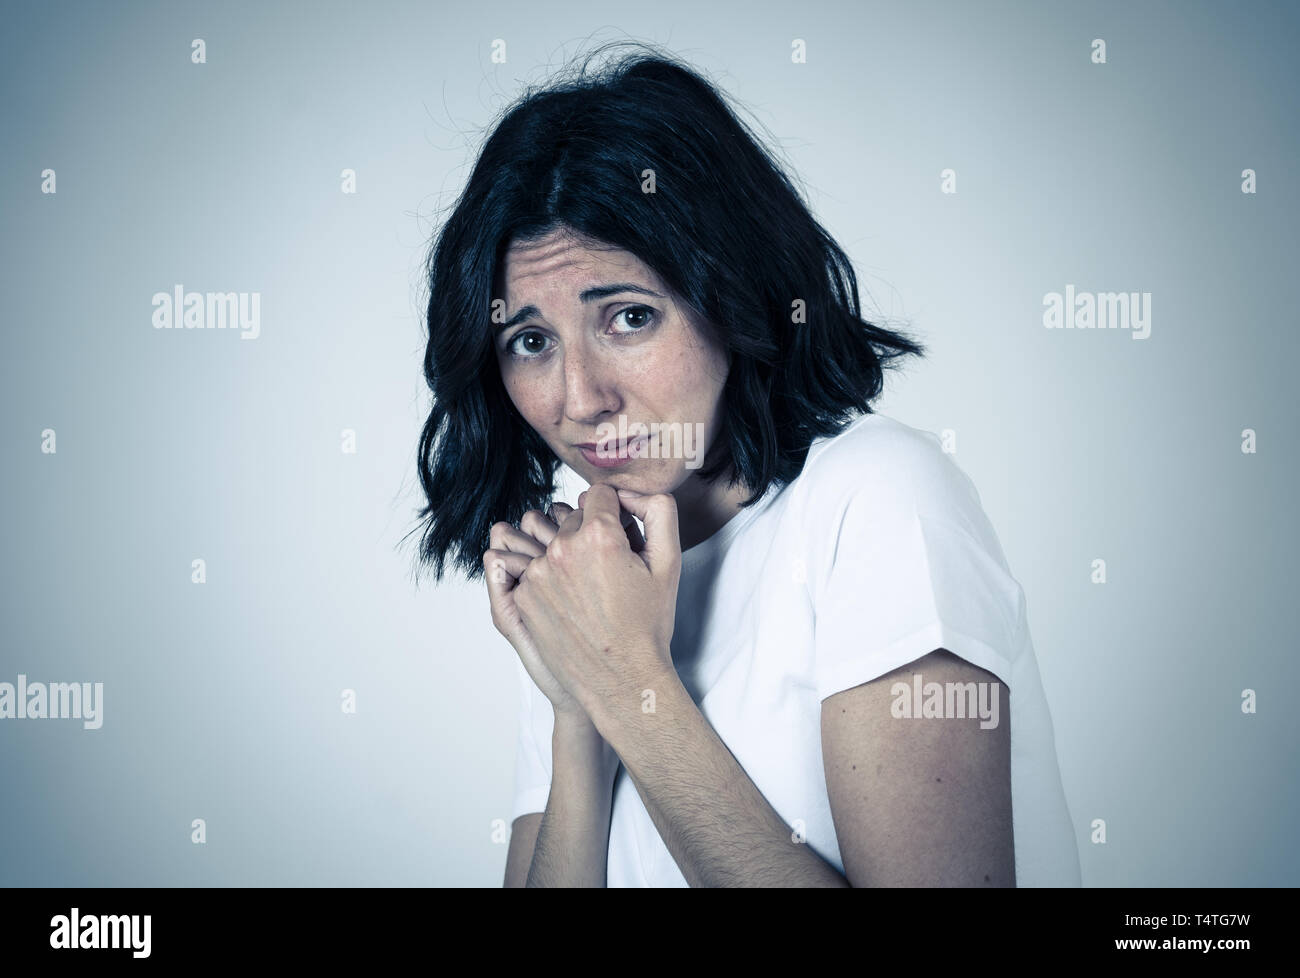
102, 931
1098, 310
946, 701
179, 309
53, 701
659, 439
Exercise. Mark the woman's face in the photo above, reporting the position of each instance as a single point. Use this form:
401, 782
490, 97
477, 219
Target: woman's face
594, 351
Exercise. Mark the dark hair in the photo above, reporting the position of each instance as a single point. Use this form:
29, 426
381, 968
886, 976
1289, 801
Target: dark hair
725, 229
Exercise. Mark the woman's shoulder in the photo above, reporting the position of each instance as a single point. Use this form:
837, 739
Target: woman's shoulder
895, 486
882, 462
869, 437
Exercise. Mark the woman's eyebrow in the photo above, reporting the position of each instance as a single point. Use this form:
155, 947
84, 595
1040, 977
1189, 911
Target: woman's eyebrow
601, 291
587, 295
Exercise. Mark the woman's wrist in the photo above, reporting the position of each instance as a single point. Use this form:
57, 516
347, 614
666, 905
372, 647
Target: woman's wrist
576, 735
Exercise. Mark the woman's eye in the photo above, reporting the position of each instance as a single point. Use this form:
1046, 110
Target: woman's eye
636, 317
527, 344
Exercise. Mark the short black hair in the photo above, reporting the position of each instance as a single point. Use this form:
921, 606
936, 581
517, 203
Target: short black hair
725, 229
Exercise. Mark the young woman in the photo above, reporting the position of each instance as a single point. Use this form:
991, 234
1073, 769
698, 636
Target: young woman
802, 671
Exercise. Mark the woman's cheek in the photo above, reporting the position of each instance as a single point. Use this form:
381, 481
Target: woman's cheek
529, 396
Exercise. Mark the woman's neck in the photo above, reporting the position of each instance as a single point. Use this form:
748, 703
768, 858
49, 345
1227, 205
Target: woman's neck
704, 508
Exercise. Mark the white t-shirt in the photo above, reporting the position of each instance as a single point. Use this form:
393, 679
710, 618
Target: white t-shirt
878, 553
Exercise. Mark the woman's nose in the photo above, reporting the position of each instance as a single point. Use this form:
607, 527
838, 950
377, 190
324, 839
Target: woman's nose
589, 387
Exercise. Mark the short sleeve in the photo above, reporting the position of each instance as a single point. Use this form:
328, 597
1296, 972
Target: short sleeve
532, 783
906, 562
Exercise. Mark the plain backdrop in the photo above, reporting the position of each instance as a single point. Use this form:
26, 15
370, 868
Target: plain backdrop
223, 701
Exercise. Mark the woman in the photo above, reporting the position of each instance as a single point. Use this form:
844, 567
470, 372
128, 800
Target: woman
801, 672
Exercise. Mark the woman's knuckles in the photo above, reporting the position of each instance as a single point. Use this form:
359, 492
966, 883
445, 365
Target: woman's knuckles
605, 535
535, 524
498, 535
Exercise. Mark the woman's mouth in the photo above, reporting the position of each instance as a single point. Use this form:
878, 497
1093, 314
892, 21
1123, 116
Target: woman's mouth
613, 454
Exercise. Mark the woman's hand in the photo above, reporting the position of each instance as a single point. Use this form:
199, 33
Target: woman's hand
599, 603
511, 553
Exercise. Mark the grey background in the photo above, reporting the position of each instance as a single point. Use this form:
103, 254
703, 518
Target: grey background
222, 700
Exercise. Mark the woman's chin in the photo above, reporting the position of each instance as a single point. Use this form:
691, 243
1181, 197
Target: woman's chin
647, 484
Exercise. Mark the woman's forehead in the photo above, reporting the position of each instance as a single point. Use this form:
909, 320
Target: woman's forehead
565, 262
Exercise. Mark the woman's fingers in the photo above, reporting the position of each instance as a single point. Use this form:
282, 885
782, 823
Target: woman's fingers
505, 562
515, 548
658, 513
503, 536
572, 521
541, 528
634, 538
502, 569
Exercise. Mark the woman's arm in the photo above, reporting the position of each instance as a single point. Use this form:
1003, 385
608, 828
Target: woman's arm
924, 803
921, 800
573, 839
568, 847
717, 825
599, 616
919, 803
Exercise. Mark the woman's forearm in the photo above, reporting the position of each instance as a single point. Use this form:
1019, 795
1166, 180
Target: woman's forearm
573, 838
714, 821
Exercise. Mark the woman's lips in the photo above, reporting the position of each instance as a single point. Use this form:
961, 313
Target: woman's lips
613, 456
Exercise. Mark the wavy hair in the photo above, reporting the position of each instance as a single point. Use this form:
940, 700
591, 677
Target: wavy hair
725, 229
